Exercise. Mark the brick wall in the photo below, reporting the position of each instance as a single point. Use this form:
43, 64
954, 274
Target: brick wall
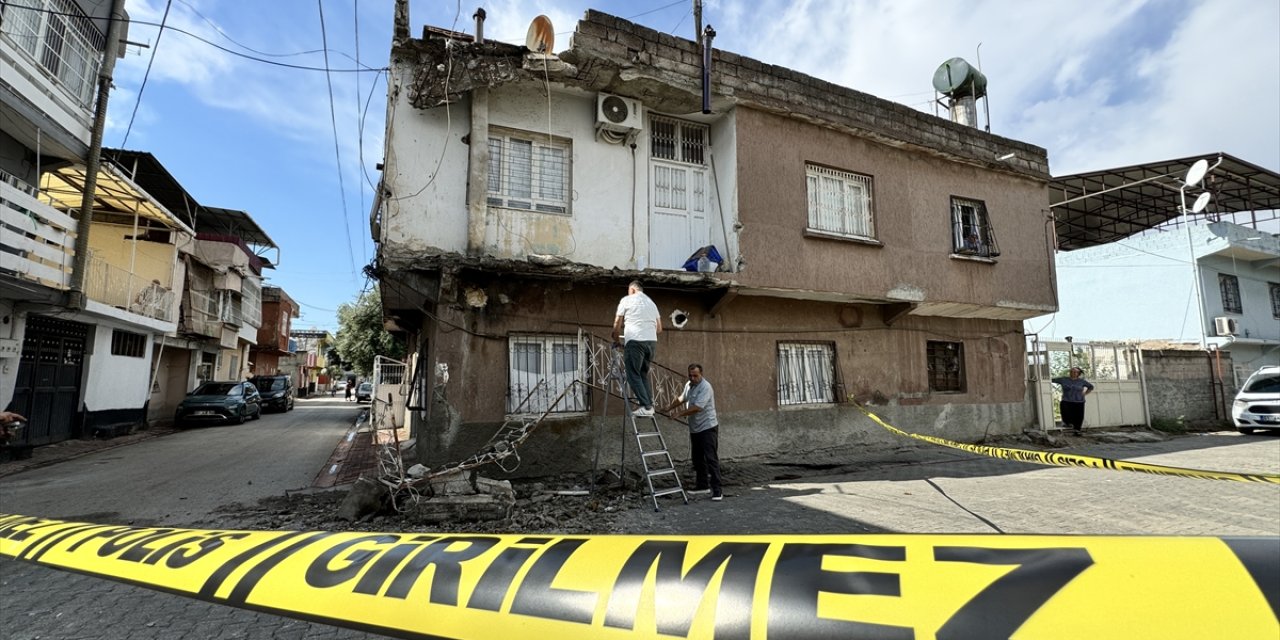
1186, 385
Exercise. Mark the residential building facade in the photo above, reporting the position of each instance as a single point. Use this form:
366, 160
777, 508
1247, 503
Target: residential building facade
866, 251
273, 343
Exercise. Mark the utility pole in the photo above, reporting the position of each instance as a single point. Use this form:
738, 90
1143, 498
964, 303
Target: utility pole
76, 298
697, 21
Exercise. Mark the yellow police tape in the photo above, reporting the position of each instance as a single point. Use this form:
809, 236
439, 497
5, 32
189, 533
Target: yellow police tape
1072, 460
416, 585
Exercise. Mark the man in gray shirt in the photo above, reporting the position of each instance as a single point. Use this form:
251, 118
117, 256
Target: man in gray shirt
699, 401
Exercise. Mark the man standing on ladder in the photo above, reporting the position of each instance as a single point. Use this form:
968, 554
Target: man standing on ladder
699, 402
637, 324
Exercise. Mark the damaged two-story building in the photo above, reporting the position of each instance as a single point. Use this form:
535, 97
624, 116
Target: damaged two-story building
868, 251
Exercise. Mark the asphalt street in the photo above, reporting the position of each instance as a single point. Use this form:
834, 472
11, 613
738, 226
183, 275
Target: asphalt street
176, 479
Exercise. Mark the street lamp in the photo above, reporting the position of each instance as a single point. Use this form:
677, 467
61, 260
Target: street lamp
1194, 176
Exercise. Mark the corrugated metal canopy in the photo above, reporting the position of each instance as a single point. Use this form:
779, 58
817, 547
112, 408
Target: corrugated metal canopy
1104, 206
146, 171
114, 193
233, 222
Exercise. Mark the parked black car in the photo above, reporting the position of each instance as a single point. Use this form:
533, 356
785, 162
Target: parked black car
277, 392
220, 402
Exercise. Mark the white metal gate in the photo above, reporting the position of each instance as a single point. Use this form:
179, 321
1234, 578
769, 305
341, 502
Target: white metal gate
1119, 396
390, 391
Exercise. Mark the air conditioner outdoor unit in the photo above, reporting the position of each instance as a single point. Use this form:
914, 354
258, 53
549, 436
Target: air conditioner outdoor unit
1224, 326
616, 113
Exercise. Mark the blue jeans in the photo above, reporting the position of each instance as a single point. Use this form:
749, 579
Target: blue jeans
637, 355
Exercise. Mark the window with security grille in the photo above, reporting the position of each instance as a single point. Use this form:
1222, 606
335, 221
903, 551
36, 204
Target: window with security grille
839, 202
677, 140
542, 373
806, 373
528, 171
971, 231
60, 38
945, 362
1275, 299
1230, 287
127, 343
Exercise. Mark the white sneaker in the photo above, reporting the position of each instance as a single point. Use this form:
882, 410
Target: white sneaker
643, 412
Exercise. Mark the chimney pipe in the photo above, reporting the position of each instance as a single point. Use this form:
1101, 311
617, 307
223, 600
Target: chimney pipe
479, 16
709, 34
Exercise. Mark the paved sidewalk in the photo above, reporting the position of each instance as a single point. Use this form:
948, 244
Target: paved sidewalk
46, 455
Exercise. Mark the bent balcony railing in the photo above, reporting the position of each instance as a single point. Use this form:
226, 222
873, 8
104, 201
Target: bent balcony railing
37, 242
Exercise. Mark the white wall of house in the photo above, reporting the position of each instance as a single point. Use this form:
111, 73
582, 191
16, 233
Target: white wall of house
605, 226
114, 381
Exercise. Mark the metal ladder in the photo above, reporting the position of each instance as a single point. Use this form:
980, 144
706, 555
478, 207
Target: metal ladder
656, 460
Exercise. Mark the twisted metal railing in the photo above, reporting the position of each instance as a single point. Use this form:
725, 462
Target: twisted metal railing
603, 370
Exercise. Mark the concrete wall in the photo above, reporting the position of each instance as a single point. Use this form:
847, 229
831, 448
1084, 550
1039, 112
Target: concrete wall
116, 382
13, 326
912, 213
1185, 385
738, 349
149, 260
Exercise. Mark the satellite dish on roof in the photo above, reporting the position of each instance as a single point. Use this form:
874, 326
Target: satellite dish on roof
542, 36
1201, 202
1196, 173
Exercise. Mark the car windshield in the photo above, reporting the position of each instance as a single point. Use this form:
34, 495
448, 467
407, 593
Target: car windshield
270, 384
1264, 384
218, 389
366, 387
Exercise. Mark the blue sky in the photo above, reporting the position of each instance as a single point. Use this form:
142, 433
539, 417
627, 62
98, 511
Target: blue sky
1099, 84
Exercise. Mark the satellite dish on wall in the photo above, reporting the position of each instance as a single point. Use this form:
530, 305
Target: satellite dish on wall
542, 36
1201, 202
1196, 173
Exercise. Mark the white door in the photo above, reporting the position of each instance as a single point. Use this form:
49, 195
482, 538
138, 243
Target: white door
678, 220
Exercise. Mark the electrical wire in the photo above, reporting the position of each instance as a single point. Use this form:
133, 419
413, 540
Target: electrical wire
154, 47
333, 120
219, 47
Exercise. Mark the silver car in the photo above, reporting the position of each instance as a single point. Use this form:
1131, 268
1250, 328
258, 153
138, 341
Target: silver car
1257, 406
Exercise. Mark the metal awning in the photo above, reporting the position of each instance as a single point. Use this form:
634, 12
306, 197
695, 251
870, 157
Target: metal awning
114, 193
146, 171
1104, 206
233, 222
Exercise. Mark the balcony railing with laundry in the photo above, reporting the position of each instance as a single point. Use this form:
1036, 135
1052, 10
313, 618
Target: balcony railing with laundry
122, 289
37, 242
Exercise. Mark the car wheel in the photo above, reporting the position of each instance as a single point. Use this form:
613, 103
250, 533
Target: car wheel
257, 415
239, 417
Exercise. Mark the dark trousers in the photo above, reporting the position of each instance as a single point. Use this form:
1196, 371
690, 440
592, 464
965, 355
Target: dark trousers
1072, 414
637, 355
706, 459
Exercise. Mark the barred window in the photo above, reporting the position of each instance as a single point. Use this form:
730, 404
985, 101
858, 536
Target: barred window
945, 362
1275, 299
839, 202
806, 373
971, 231
60, 38
541, 368
677, 140
1230, 287
528, 171
126, 343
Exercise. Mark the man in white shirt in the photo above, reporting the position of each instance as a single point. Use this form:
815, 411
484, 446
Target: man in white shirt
637, 325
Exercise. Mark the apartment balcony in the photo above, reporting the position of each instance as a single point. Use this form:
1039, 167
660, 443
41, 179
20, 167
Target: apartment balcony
122, 289
37, 242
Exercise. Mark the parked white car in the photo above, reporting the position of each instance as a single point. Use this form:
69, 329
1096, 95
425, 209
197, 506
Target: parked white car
1257, 406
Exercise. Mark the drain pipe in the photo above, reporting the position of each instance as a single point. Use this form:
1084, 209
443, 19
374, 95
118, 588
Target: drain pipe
76, 295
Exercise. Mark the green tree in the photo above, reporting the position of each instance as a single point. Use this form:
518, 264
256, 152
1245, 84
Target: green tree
361, 335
